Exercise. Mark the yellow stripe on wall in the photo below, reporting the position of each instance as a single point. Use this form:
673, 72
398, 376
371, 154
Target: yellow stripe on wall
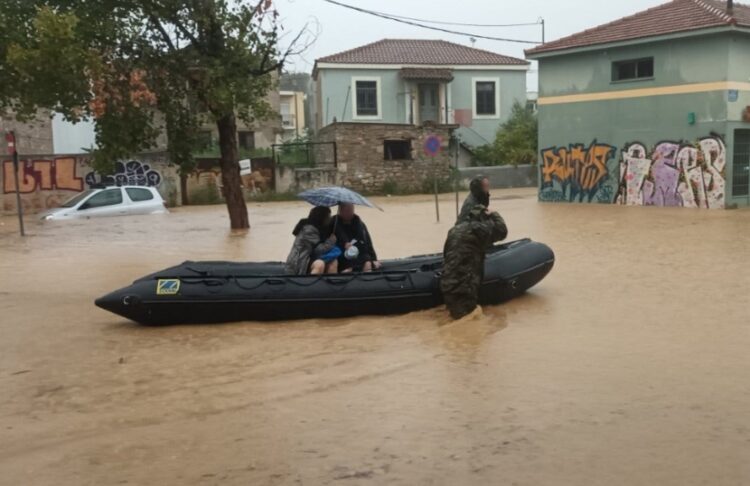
639, 93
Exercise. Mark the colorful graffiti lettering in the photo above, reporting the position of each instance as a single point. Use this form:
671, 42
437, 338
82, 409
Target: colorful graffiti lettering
674, 174
46, 175
579, 170
130, 173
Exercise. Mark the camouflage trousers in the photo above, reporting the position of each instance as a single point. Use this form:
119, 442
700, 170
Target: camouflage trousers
460, 304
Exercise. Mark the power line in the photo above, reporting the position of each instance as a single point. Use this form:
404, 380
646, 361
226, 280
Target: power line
416, 24
437, 22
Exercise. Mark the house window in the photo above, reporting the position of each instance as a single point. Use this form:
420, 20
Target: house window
366, 98
486, 98
633, 69
204, 139
246, 140
397, 150
287, 120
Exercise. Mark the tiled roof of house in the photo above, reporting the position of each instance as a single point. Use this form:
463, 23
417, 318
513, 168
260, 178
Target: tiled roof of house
419, 51
427, 73
669, 18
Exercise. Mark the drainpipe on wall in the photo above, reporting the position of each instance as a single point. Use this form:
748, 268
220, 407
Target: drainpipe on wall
730, 7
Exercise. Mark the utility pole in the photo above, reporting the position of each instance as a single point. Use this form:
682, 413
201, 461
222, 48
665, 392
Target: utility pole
10, 138
541, 21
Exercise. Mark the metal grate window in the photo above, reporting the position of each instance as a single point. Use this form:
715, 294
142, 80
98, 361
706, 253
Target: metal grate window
741, 164
367, 98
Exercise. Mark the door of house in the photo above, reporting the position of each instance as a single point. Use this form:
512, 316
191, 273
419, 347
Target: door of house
429, 103
741, 164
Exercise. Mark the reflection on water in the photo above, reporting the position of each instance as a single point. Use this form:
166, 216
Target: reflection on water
625, 365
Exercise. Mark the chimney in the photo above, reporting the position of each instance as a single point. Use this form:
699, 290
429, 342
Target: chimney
730, 7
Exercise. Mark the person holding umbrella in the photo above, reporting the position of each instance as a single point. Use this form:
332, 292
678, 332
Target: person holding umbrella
352, 236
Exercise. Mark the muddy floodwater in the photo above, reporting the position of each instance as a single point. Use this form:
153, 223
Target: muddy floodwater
628, 365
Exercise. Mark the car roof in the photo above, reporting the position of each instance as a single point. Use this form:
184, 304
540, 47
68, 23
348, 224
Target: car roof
98, 187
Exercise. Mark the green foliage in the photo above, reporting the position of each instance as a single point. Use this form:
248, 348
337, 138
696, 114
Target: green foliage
296, 152
123, 62
516, 142
207, 193
392, 188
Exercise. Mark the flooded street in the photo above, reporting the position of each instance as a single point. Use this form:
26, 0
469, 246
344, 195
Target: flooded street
627, 365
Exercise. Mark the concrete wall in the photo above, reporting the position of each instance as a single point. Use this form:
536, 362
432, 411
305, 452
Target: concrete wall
396, 95
644, 149
361, 161
47, 180
503, 176
34, 137
295, 180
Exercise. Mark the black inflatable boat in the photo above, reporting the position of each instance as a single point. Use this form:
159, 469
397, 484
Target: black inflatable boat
207, 292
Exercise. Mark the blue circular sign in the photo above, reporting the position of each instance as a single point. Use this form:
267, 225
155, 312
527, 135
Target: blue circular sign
432, 145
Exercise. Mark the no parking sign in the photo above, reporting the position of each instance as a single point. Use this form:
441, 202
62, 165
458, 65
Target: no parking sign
432, 145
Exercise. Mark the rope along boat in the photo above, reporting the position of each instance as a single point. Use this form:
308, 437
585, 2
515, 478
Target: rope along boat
212, 292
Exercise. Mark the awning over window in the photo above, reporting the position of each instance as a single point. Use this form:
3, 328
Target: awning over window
427, 74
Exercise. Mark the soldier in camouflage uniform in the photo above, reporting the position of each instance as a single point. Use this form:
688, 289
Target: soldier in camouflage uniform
463, 255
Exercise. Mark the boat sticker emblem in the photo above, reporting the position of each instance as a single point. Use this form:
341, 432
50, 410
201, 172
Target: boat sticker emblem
167, 286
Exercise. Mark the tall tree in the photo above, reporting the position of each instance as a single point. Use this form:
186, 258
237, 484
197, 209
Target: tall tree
515, 141
187, 60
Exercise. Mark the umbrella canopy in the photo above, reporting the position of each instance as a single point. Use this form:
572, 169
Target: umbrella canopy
331, 196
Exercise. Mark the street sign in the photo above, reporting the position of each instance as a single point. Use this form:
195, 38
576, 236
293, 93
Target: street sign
10, 139
733, 95
432, 145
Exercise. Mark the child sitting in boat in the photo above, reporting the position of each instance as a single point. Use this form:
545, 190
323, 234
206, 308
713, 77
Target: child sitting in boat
313, 251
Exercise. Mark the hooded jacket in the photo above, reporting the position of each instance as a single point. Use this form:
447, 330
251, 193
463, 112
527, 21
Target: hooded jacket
476, 196
354, 230
308, 246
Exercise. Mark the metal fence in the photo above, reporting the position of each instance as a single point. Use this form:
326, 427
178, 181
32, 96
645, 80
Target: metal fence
305, 154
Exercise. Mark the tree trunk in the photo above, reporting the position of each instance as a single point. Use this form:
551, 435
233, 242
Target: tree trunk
183, 189
230, 173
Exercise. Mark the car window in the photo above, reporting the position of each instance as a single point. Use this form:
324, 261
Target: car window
73, 201
137, 195
110, 197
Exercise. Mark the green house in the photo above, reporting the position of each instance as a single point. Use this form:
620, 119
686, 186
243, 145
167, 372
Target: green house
651, 109
418, 81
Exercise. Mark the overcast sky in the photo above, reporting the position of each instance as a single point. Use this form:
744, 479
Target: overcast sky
340, 29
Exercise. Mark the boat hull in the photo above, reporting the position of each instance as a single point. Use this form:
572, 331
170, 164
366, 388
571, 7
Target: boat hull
213, 292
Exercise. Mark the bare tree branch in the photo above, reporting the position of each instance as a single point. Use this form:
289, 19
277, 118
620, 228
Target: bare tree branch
162, 31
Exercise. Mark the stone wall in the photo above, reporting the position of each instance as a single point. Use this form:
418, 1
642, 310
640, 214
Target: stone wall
48, 180
361, 160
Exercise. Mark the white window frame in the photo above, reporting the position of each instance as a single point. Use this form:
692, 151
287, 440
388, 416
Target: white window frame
379, 116
474, 82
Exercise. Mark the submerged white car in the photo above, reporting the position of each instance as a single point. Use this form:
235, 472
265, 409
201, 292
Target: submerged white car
109, 201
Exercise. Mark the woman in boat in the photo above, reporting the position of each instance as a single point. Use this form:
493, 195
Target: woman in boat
314, 248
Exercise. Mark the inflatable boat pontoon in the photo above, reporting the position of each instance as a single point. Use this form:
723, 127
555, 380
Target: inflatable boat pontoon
210, 292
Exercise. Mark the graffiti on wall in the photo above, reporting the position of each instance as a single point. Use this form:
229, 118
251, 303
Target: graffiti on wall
576, 172
674, 174
45, 175
130, 173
